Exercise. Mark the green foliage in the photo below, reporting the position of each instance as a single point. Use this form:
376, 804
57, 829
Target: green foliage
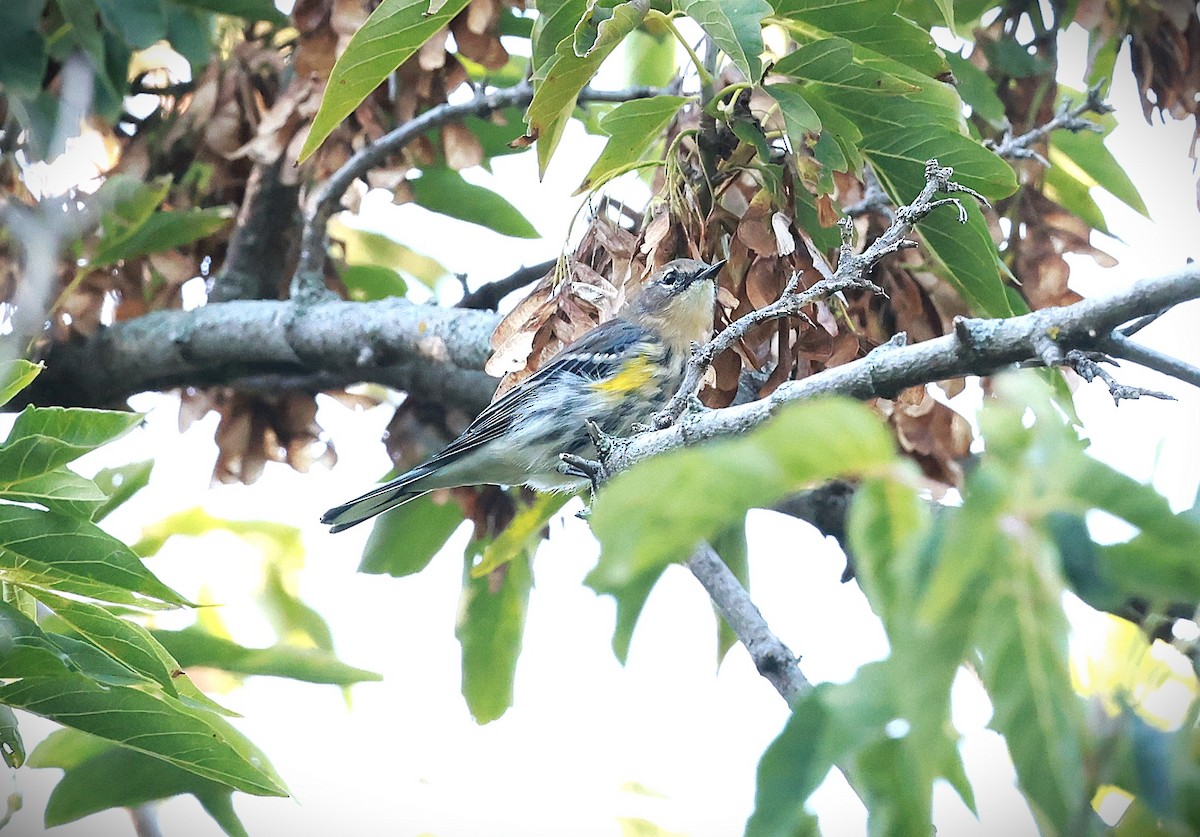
98, 775
982, 585
405, 539
490, 628
445, 191
393, 32
735, 26
89, 663
576, 58
640, 535
197, 647
632, 128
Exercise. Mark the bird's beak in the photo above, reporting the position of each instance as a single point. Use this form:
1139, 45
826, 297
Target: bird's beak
710, 273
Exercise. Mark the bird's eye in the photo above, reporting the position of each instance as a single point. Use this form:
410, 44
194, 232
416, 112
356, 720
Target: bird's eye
670, 277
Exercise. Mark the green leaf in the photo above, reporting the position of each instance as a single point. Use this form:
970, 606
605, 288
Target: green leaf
899, 134
405, 539
1090, 162
638, 532
649, 59
365, 282
735, 26
630, 596
126, 642
1022, 636
1062, 185
55, 552
98, 775
249, 9
977, 90
799, 118
566, 73
84, 430
15, 375
873, 24
141, 23
196, 647
831, 63
60, 490
361, 247
159, 726
161, 232
22, 47
522, 535
490, 629
826, 724
12, 748
190, 32
119, 484
632, 127
446, 192
555, 22
393, 32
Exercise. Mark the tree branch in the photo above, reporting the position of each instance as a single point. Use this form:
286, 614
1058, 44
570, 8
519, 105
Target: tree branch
263, 240
487, 297
976, 347
1068, 117
265, 344
1121, 346
773, 659
309, 282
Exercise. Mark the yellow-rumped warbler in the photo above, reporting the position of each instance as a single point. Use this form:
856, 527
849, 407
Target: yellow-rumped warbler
617, 374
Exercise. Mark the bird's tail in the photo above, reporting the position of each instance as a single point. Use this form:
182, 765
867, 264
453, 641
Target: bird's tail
398, 491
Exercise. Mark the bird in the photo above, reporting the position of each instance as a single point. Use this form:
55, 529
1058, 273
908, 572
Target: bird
617, 375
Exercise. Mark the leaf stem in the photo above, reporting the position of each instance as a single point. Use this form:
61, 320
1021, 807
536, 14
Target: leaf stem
666, 20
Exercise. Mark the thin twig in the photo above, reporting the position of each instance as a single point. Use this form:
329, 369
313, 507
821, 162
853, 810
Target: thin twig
1121, 346
1068, 118
975, 347
874, 198
1087, 365
851, 273
773, 659
309, 282
487, 297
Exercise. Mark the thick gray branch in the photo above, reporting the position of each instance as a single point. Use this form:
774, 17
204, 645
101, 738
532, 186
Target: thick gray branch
267, 344
977, 347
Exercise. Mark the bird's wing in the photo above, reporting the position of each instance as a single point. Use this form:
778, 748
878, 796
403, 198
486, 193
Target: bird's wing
591, 356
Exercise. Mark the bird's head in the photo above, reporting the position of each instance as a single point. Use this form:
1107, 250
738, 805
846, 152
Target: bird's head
677, 300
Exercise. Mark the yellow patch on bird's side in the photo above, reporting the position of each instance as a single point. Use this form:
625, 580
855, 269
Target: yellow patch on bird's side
633, 375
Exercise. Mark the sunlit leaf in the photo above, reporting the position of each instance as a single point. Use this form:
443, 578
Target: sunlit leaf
159, 726
735, 26
98, 775
405, 539
522, 535
566, 73
15, 375
125, 641
56, 552
448, 193
638, 532
632, 127
393, 32
490, 629
196, 647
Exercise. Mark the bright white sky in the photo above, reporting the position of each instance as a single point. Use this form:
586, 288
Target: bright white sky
406, 759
